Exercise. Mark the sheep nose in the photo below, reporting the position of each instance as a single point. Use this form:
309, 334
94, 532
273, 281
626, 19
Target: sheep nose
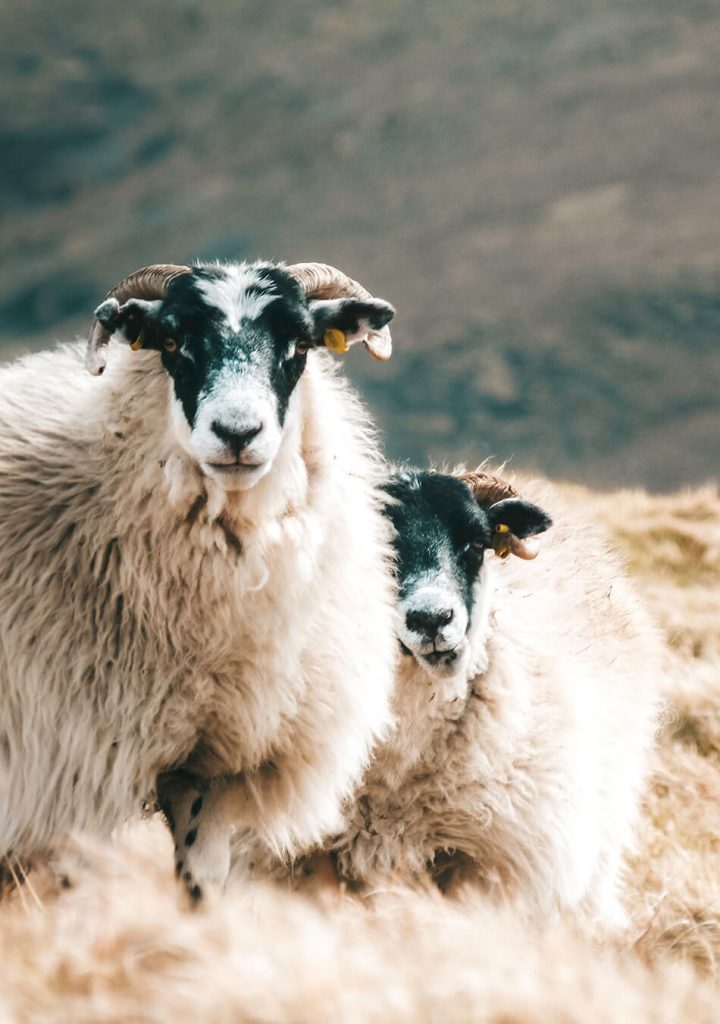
235, 439
429, 623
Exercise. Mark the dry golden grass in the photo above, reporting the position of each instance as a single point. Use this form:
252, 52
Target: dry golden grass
672, 544
117, 945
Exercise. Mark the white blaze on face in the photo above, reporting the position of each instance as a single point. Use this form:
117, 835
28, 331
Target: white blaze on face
237, 433
229, 295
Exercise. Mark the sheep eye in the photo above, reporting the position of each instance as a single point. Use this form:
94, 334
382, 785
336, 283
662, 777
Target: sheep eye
301, 348
477, 544
170, 345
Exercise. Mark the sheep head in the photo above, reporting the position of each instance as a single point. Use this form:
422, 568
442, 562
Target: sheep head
234, 340
445, 525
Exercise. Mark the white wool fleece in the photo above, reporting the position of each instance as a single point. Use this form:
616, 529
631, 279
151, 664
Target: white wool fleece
150, 619
523, 774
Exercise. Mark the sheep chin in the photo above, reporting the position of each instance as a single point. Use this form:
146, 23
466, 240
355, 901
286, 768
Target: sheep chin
456, 663
237, 477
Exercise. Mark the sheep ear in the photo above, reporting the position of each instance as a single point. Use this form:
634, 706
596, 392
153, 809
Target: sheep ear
340, 323
523, 518
132, 321
512, 520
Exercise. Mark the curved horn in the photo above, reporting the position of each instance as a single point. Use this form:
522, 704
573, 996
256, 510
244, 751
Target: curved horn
147, 283
487, 489
522, 548
321, 281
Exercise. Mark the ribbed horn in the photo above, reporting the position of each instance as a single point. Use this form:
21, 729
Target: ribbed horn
147, 283
321, 281
487, 490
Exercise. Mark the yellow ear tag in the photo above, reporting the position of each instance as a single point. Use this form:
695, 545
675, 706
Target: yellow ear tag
335, 340
138, 343
500, 543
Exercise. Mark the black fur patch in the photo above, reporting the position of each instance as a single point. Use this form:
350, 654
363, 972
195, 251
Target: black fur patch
191, 837
437, 521
196, 806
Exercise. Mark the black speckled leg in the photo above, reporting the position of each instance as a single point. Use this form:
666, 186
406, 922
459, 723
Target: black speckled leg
196, 816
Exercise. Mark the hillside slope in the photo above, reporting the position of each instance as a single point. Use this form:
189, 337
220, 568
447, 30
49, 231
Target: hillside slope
535, 186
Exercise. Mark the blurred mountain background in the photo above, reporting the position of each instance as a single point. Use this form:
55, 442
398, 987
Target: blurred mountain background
536, 186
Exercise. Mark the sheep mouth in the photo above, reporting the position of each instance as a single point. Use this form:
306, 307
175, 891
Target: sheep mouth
229, 473
441, 664
433, 658
236, 476
233, 467
441, 659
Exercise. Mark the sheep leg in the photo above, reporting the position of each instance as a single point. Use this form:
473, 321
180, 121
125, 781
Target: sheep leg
201, 828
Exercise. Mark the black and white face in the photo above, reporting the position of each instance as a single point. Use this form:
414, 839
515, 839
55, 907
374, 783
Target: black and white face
443, 537
234, 340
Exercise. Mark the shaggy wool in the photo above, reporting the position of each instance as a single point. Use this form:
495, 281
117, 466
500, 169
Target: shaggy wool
152, 619
106, 937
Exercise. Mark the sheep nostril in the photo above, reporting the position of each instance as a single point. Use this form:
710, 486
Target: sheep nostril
429, 623
235, 439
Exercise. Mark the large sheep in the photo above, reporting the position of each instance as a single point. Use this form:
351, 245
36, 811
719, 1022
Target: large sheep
526, 704
193, 559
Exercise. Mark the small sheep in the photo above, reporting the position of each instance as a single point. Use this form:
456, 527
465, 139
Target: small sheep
193, 558
526, 701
